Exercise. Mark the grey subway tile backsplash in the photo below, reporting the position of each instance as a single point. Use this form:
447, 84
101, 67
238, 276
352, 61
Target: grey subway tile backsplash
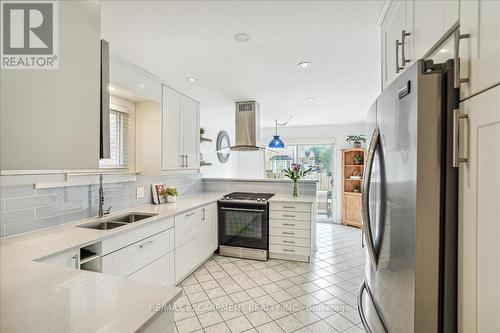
23, 208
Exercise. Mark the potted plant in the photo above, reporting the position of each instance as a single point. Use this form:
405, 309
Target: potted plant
356, 140
357, 159
171, 194
295, 173
356, 188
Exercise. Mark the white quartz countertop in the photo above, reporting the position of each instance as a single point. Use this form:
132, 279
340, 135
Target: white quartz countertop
290, 198
41, 297
260, 180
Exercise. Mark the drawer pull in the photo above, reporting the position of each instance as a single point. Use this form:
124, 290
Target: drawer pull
291, 207
290, 242
289, 224
145, 243
288, 250
288, 233
285, 215
190, 214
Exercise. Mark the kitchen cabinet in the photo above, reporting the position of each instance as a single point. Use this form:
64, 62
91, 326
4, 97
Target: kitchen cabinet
480, 52
160, 271
290, 231
393, 25
409, 29
479, 227
69, 258
180, 131
50, 118
135, 256
196, 239
431, 20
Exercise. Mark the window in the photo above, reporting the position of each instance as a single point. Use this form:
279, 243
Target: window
120, 142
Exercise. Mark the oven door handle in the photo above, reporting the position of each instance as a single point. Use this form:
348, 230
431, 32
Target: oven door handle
244, 209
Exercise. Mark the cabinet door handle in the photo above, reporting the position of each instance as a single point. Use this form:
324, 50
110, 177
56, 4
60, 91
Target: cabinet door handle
187, 161
145, 243
182, 161
289, 242
290, 207
288, 233
75, 258
203, 214
404, 61
456, 138
286, 215
288, 250
456, 55
289, 224
398, 68
190, 214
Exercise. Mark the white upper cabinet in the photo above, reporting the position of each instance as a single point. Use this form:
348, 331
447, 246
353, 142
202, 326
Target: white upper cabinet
410, 28
431, 20
393, 25
480, 53
180, 131
50, 118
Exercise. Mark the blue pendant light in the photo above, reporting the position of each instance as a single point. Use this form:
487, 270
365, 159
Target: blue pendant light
276, 142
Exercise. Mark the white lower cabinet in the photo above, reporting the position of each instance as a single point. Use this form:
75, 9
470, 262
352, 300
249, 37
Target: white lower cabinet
160, 271
290, 230
133, 257
69, 258
194, 247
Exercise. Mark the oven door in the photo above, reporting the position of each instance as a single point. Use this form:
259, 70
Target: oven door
243, 225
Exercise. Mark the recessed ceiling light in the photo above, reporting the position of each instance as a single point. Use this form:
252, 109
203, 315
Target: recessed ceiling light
242, 38
111, 88
304, 64
192, 79
141, 86
311, 99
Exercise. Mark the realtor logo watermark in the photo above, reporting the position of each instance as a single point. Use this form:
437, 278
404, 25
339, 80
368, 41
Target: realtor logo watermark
30, 35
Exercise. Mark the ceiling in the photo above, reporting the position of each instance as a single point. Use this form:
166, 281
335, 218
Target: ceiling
180, 39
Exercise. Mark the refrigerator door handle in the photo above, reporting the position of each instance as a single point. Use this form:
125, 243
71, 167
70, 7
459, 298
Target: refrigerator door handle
361, 311
365, 205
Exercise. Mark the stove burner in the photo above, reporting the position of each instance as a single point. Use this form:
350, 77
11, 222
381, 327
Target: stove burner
259, 197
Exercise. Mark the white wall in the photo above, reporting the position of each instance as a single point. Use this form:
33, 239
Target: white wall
214, 120
327, 134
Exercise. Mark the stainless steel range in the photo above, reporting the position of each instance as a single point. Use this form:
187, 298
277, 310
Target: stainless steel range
244, 225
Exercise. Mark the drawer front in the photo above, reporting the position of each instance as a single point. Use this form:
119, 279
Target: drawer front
285, 232
160, 271
296, 216
114, 243
187, 226
189, 256
290, 224
301, 251
290, 206
289, 241
131, 258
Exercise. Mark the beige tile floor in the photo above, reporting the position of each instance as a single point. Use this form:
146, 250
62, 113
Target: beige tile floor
238, 295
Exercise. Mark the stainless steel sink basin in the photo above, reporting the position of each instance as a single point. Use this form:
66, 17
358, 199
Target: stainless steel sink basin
103, 225
131, 218
116, 221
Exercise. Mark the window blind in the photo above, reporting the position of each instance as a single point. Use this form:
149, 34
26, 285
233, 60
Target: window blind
120, 141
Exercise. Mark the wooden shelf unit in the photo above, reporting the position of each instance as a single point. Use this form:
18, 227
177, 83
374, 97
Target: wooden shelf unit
351, 200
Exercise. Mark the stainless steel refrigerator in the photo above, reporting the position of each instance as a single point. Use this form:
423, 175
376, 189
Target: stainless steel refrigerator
409, 202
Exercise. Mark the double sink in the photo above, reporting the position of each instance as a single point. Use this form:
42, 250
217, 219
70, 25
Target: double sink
117, 221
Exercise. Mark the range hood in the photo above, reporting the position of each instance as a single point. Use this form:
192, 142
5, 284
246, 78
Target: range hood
247, 127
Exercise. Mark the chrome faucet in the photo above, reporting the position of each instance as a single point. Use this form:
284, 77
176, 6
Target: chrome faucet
102, 212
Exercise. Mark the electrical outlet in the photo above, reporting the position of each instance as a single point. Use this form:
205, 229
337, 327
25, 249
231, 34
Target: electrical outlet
140, 192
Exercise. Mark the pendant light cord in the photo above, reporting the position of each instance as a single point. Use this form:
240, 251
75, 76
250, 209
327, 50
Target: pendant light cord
276, 124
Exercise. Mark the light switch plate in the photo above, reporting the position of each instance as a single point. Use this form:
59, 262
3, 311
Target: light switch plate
140, 192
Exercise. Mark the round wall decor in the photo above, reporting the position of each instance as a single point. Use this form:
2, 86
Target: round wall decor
222, 143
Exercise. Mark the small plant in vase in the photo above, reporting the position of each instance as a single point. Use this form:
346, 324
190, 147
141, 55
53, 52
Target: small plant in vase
356, 140
171, 194
356, 188
295, 174
358, 160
